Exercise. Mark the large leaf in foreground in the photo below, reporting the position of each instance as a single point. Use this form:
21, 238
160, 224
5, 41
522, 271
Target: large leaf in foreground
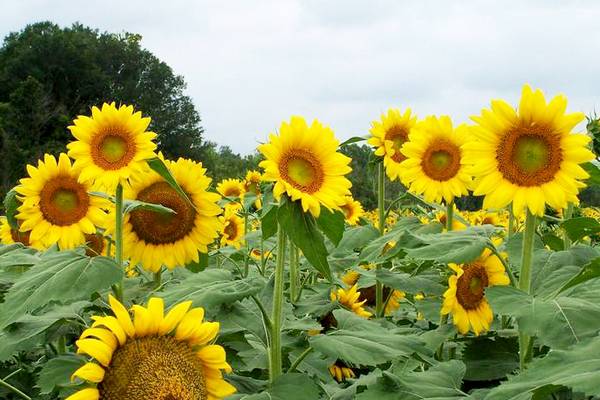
289, 387
361, 342
577, 368
211, 288
64, 276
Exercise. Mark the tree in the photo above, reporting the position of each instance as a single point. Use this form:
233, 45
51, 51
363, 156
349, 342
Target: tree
49, 75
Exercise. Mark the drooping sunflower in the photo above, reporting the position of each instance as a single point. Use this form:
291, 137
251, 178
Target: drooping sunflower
111, 145
252, 181
434, 164
349, 299
231, 188
304, 163
9, 235
152, 356
232, 231
155, 239
340, 371
529, 157
465, 297
352, 209
387, 137
56, 206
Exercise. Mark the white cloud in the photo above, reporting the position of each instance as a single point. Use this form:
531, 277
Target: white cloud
250, 65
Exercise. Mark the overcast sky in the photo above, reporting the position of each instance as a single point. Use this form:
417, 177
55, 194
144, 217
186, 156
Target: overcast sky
251, 64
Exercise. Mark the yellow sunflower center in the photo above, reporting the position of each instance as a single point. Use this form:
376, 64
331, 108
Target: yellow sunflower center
160, 228
159, 368
441, 160
94, 244
529, 156
302, 170
471, 286
64, 201
397, 135
112, 149
231, 230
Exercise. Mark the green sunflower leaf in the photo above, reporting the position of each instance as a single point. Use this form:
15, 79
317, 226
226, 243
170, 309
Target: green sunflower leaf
353, 139
160, 168
57, 372
578, 228
577, 368
289, 387
11, 203
331, 224
133, 205
302, 229
64, 276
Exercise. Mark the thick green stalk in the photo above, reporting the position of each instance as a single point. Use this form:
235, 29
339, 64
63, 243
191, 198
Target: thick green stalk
525, 280
247, 251
118, 287
294, 273
381, 210
276, 315
567, 215
449, 215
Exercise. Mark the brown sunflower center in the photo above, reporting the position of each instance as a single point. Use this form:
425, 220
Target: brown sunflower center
471, 286
154, 368
398, 135
64, 201
369, 294
348, 211
160, 228
529, 156
441, 160
94, 244
231, 230
302, 170
232, 191
112, 149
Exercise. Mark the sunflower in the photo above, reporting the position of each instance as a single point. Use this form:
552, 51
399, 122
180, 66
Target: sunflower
252, 182
352, 209
387, 137
465, 297
111, 145
340, 371
349, 299
152, 356
9, 235
157, 239
304, 162
231, 188
232, 228
442, 218
434, 165
56, 206
256, 254
96, 244
529, 157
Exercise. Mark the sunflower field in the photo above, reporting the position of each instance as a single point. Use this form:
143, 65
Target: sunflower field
128, 276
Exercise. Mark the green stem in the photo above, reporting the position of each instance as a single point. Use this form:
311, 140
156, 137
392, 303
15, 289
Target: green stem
276, 315
525, 280
61, 347
14, 389
381, 210
294, 273
449, 215
118, 287
247, 252
298, 360
567, 215
511, 221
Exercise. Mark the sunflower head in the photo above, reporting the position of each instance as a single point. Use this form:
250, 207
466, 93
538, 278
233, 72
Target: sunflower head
111, 145
252, 181
256, 254
352, 209
55, 204
232, 230
529, 156
387, 137
9, 235
340, 371
152, 356
442, 218
304, 163
170, 239
433, 164
349, 298
465, 297
233, 188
